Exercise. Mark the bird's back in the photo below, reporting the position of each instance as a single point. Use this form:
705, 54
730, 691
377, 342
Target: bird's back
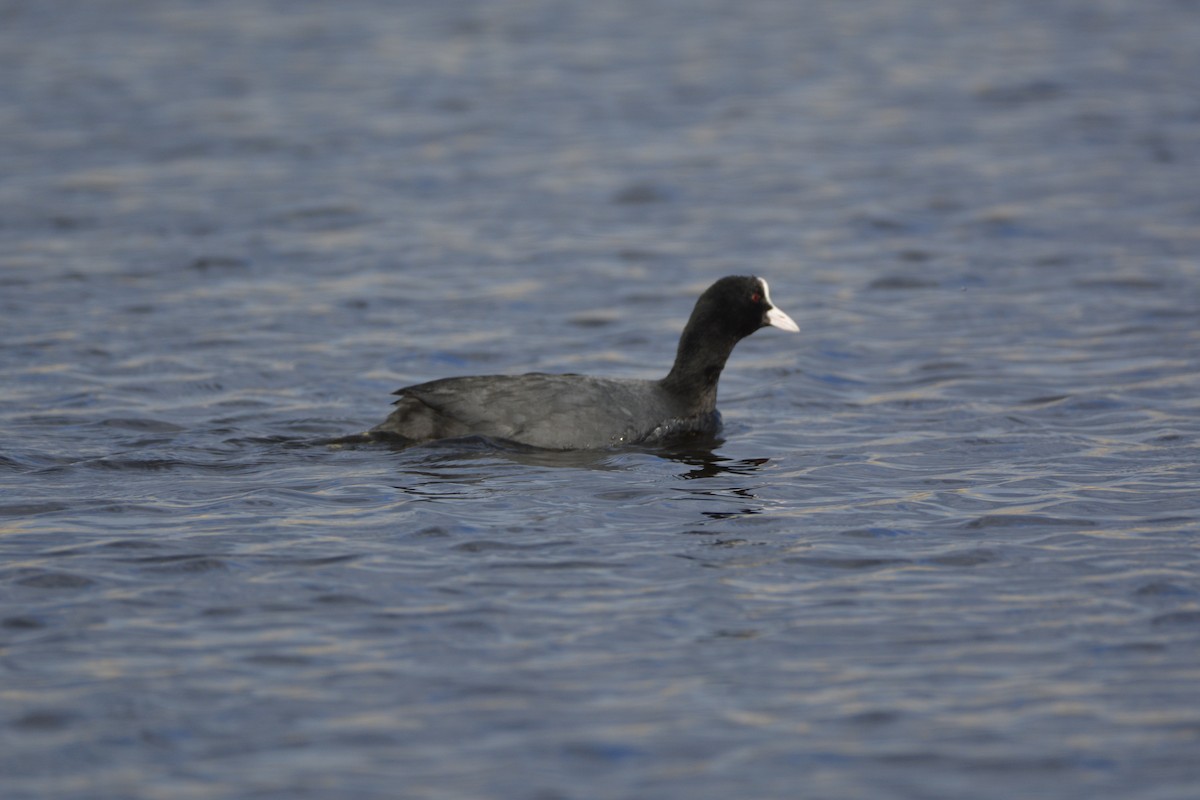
541, 410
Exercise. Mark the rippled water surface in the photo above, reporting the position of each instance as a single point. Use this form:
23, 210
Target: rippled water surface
946, 547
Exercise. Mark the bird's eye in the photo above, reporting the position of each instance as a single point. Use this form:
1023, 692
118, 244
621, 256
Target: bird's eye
756, 298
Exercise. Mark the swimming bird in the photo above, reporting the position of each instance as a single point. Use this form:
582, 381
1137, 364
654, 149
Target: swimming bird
571, 412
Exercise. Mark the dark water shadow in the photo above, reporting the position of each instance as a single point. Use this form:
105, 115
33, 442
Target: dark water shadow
704, 461
697, 452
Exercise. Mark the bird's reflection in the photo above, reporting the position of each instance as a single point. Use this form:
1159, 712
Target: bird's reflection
455, 468
698, 453
705, 462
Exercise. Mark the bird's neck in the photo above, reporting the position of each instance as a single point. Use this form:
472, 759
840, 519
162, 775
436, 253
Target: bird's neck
698, 363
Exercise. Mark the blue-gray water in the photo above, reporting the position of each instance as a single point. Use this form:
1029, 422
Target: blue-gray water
946, 548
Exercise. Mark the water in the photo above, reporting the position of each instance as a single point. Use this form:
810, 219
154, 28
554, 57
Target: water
945, 547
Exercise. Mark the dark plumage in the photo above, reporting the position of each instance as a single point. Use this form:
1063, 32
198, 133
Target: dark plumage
566, 412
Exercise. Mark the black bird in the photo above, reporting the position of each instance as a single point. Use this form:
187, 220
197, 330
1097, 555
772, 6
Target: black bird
569, 412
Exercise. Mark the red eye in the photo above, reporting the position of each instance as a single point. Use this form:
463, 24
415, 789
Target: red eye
755, 298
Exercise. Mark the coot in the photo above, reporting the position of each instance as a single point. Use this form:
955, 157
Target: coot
568, 412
